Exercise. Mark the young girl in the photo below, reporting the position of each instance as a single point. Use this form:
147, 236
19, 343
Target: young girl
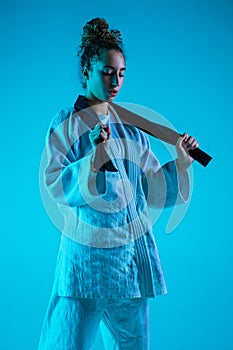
103, 176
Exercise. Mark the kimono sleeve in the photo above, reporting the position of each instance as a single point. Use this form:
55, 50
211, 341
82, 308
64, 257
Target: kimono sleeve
162, 185
68, 178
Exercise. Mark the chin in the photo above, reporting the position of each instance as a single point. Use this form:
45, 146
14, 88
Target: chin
110, 98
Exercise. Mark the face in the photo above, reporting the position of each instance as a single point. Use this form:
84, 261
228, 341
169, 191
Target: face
106, 76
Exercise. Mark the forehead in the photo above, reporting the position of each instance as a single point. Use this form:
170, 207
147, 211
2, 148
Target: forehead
112, 58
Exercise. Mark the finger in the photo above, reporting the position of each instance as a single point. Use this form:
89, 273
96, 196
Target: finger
181, 140
185, 136
189, 142
104, 135
194, 144
190, 139
108, 131
95, 134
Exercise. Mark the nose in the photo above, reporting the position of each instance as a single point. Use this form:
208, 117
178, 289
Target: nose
115, 80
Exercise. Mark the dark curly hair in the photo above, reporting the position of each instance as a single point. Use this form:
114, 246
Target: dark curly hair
96, 38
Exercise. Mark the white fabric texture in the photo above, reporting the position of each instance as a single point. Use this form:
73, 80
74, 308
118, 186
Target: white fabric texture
107, 247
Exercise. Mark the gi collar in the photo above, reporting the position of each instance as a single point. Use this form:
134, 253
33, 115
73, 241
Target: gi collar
89, 116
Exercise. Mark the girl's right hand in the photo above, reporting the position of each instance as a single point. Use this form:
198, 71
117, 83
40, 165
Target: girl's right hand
100, 135
99, 138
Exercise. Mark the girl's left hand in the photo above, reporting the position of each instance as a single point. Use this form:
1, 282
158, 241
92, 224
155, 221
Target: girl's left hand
184, 144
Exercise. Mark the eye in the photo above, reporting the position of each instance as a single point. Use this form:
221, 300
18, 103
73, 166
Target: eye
111, 72
107, 72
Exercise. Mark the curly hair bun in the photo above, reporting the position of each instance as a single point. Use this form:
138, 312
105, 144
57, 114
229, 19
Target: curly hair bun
96, 28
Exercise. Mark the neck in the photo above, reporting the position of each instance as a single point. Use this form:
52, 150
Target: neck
98, 106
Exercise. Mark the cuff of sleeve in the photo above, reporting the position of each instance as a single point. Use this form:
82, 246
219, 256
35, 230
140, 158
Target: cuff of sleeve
178, 186
91, 183
183, 187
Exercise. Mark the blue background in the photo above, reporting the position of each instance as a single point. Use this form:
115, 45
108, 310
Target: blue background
180, 56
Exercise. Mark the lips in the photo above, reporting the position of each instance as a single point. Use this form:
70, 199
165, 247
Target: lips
113, 92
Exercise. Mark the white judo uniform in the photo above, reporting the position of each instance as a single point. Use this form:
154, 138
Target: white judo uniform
108, 263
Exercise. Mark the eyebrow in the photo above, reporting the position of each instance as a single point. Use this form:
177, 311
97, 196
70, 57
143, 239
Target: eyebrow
107, 66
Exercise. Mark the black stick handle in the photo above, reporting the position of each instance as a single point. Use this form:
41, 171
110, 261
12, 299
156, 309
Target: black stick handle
200, 156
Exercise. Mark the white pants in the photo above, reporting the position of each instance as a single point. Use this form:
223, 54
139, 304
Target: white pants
72, 323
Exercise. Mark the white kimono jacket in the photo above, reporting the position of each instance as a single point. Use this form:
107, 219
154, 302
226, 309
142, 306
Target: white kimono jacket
107, 246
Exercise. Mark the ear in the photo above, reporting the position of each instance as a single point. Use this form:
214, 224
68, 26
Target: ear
85, 73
